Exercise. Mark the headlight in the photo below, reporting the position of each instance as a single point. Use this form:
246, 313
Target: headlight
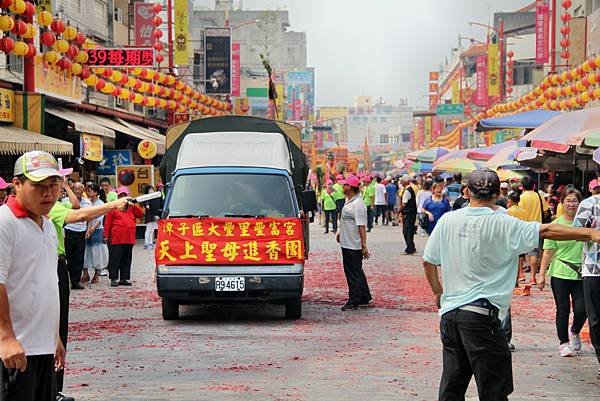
162, 269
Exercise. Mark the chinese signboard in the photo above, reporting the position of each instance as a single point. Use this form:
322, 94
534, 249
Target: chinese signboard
542, 25
455, 92
217, 60
90, 147
136, 178
58, 84
7, 104
121, 57
142, 22
235, 70
181, 45
114, 158
185, 241
493, 87
434, 76
445, 109
427, 130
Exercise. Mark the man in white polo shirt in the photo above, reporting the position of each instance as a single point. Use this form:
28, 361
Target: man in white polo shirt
353, 240
30, 348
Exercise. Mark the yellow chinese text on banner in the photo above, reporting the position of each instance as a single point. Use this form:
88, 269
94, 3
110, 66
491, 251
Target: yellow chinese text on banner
493, 70
181, 42
455, 92
7, 105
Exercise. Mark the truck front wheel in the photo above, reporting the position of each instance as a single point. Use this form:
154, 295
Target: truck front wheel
293, 308
170, 309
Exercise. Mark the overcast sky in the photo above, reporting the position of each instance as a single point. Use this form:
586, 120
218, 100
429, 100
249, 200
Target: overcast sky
380, 47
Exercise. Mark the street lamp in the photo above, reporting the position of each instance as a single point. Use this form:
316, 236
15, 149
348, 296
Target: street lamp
244, 23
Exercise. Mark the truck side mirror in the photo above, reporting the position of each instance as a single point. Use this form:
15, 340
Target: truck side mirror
309, 200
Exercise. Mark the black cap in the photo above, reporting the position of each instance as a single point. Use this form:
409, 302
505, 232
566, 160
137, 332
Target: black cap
484, 182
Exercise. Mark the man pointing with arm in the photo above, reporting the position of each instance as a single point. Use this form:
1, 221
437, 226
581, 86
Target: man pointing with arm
478, 252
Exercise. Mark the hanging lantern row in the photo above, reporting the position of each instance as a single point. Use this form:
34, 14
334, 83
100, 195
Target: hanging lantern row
569, 90
157, 34
565, 30
510, 68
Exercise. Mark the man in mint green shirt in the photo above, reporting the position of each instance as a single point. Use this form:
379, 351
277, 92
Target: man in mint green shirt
478, 252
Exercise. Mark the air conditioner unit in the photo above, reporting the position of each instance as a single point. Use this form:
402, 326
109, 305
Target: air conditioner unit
118, 15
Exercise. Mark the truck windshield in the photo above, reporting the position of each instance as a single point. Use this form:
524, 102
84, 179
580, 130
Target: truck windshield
231, 195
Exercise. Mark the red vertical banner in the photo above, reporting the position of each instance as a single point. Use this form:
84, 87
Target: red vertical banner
421, 132
235, 69
542, 30
437, 128
142, 22
481, 94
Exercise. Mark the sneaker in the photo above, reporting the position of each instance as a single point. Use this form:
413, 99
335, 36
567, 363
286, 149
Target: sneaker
575, 341
566, 350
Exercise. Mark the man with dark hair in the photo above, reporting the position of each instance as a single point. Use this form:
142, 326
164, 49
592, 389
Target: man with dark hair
111, 195
478, 251
353, 240
408, 209
536, 207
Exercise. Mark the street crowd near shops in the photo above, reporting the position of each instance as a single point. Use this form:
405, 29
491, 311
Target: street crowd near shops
547, 232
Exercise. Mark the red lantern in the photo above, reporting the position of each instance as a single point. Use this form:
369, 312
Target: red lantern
157, 33
85, 73
80, 38
58, 26
565, 30
566, 17
5, 3
158, 46
564, 54
47, 38
31, 50
72, 52
108, 72
157, 21
29, 9
116, 91
160, 58
138, 84
565, 43
510, 54
7, 44
157, 7
64, 63
567, 4
131, 96
20, 28
100, 84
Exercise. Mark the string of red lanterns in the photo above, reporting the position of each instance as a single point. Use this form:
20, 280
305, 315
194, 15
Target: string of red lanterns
565, 30
510, 66
157, 34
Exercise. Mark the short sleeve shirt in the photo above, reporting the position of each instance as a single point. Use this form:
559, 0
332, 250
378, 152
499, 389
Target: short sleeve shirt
588, 215
328, 201
369, 195
478, 251
80, 226
112, 196
58, 216
354, 214
338, 192
380, 194
530, 201
567, 255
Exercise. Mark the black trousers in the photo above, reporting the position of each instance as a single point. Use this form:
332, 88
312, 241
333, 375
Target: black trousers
75, 252
474, 344
339, 205
507, 326
380, 211
120, 262
369, 218
63, 325
331, 215
408, 230
358, 288
591, 293
565, 292
37, 383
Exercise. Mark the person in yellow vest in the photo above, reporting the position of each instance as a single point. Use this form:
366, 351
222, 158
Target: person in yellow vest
329, 207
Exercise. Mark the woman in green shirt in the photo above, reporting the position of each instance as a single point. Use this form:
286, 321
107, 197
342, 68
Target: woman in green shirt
564, 259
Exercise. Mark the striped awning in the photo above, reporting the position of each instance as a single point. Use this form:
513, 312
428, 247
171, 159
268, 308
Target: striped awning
16, 141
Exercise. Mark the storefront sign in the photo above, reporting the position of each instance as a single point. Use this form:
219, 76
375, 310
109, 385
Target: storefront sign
58, 84
136, 178
493, 86
181, 45
450, 109
147, 149
542, 29
481, 93
90, 147
427, 130
7, 105
142, 22
121, 57
234, 241
235, 69
120, 157
217, 60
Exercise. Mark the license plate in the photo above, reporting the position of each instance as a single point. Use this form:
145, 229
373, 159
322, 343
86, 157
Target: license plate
230, 284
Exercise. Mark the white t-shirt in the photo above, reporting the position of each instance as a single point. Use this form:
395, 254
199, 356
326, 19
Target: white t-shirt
380, 194
354, 214
82, 225
28, 262
422, 196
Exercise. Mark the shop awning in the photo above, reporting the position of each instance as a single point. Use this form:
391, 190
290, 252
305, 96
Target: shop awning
145, 133
127, 130
81, 122
527, 120
15, 141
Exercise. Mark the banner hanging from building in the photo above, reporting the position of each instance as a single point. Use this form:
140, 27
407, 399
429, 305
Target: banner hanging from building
421, 132
455, 92
58, 84
236, 70
427, 130
222, 241
542, 30
90, 147
142, 22
217, 60
181, 51
493, 66
7, 105
481, 92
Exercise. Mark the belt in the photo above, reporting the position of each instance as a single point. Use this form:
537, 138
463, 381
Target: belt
480, 310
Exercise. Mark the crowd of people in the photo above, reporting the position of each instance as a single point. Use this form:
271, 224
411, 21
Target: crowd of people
54, 229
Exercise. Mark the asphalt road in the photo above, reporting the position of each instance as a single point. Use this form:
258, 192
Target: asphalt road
121, 349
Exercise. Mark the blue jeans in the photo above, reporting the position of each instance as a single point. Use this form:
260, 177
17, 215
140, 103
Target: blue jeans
331, 215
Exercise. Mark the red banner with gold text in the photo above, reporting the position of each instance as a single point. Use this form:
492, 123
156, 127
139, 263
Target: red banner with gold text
229, 241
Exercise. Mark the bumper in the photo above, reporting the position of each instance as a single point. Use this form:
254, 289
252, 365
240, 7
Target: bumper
201, 288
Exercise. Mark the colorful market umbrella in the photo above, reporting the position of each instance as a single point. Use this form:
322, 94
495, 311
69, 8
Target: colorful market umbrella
561, 132
507, 175
427, 155
420, 167
457, 165
527, 120
487, 152
507, 157
462, 153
